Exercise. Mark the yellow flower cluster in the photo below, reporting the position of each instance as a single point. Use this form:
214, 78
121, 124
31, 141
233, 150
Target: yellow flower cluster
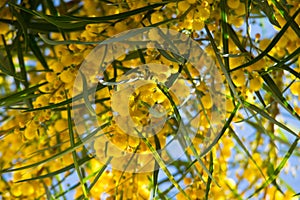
35, 123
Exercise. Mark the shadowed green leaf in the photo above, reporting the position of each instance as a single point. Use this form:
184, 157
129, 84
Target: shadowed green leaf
268, 10
271, 45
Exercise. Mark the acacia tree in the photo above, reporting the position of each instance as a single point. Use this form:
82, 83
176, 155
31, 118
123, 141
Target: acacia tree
253, 46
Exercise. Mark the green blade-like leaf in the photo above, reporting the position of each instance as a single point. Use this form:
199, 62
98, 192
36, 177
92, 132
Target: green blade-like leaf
277, 94
21, 22
225, 35
156, 166
15, 97
74, 154
267, 116
223, 130
86, 95
223, 68
64, 152
211, 170
236, 137
268, 10
62, 170
37, 52
99, 173
277, 170
162, 164
164, 89
271, 45
285, 14
70, 22
10, 64
298, 194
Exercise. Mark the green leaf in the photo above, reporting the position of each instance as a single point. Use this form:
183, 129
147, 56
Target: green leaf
276, 172
19, 96
298, 194
60, 154
62, 170
74, 155
111, 17
99, 173
85, 94
104, 42
51, 7
37, 52
5, 67
10, 68
166, 55
225, 35
162, 164
51, 19
126, 166
48, 193
223, 67
235, 39
285, 14
268, 10
277, 95
271, 45
267, 116
70, 22
281, 64
22, 23
67, 190
67, 101
164, 89
225, 127
239, 141
156, 166
211, 170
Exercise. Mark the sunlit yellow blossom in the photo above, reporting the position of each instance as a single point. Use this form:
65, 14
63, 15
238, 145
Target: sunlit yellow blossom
31, 130
238, 78
61, 125
295, 88
256, 83
57, 67
201, 13
44, 45
233, 3
207, 101
67, 76
183, 6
